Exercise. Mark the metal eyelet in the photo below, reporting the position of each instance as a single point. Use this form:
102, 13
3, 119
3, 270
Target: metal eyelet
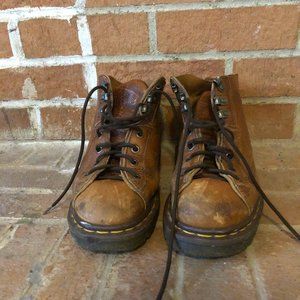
150, 99
104, 97
184, 107
134, 162
218, 82
220, 101
143, 109
229, 155
182, 97
140, 134
158, 87
98, 149
222, 114
190, 146
135, 149
174, 87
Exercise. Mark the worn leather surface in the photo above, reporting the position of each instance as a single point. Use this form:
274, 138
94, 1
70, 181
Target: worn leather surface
209, 202
108, 202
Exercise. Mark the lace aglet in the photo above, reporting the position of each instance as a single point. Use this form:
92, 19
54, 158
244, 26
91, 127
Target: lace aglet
48, 210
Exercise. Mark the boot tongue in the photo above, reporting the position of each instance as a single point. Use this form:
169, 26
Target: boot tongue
202, 111
127, 97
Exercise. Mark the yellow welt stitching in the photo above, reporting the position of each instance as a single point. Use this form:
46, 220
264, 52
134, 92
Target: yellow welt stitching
219, 235
113, 231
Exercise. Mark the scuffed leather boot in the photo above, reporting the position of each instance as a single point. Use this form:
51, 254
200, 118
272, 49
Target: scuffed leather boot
218, 207
216, 202
115, 193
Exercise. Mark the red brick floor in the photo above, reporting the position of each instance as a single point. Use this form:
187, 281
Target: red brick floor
39, 260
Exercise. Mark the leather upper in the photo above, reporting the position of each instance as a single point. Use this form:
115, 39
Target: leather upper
109, 202
214, 202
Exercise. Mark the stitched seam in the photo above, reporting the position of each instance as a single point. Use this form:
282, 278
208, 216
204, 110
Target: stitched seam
220, 235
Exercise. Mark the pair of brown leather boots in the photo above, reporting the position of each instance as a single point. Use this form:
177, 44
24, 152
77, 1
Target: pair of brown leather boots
215, 203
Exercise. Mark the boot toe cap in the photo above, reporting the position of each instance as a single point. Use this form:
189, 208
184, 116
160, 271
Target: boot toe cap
211, 204
109, 203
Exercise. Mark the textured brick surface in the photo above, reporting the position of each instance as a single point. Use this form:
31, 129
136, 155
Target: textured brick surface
15, 123
273, 179
119, 34
228, 29
71, 273
228, 278
22, 205
45, 179
269, 77
150, 71
277, 258
270, 120
287, 203
57, 122
42, 83
276, 155
5, 50
33, 3
22, 257
47, 37
95, 3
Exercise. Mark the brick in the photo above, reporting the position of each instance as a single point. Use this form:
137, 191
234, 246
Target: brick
48, 37
277, 262
273, 121
21, 205
42, 83
5, 49
152, 70
137, 273
11, 153
71, 273
269, 77
36, 178
279, 180
15, 124
227, 29
34, 3
22, 257
287, 203
276, 156
119, 34
97, 3
64, 122
228, 278
48, 154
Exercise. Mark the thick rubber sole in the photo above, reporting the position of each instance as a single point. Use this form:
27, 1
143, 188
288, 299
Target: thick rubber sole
117, 241
201, 245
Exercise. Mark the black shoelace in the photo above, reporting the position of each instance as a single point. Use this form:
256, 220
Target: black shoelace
213, 151
108, 124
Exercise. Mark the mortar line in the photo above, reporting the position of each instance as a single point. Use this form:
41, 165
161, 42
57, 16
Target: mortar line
261, 290
101, 292
37, 221
228, 66
211, 55
25, 103
32, 288
152, 30
15, 39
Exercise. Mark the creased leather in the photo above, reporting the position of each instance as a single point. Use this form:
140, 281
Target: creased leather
209, 202
109, 202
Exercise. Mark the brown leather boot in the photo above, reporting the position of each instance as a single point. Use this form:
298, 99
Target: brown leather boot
115, 193
216, 202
